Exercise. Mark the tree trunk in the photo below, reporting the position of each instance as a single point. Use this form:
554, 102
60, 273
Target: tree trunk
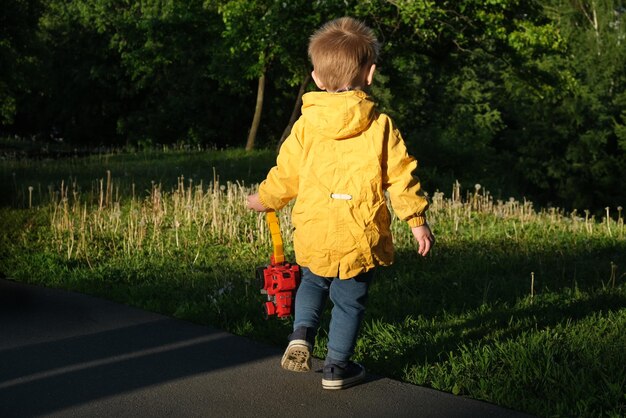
296, 110
256, 120
592, 17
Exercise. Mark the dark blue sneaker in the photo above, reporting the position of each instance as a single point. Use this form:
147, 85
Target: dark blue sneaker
337, 377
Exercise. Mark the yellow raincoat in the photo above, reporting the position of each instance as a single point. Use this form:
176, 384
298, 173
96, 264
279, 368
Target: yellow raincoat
341, 156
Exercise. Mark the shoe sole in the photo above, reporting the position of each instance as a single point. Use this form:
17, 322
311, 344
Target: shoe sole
297, 357
343, 383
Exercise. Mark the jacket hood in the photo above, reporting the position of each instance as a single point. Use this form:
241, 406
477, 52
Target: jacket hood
338, 115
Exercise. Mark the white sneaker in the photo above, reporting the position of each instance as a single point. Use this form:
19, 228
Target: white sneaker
297, 357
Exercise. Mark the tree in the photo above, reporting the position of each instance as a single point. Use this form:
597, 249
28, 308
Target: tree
131, 72
261, 34
19, 47
575, 159
167, 56
450, 68
526, 96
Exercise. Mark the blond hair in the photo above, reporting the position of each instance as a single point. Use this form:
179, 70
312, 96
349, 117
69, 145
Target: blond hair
341, 50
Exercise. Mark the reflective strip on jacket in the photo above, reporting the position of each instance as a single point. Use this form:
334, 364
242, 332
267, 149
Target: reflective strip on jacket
338, 161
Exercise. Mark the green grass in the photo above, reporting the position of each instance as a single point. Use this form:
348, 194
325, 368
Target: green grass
517, 306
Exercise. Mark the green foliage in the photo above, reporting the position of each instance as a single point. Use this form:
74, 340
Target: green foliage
523, 96
450, 66
579, 151
19, 52
166, 52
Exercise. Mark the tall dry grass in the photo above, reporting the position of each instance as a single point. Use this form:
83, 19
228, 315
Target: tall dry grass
191, 216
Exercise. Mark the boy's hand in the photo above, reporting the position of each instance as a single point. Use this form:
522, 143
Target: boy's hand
254, 203
424, 237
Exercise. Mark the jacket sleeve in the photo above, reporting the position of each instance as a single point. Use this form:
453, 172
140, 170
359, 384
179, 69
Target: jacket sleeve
399, 179
281, 184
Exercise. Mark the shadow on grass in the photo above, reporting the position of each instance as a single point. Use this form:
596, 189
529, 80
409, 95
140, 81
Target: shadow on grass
459, 277
462, 296
129, 171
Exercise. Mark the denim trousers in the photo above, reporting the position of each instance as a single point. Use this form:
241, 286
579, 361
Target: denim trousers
348, 297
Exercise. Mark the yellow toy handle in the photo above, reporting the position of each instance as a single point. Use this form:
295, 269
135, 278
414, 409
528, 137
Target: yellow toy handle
277, 239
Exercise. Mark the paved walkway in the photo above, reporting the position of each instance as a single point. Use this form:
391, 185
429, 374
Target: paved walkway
64, 354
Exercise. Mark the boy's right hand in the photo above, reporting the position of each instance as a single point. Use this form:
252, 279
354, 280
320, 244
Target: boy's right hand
424, 237
254, 203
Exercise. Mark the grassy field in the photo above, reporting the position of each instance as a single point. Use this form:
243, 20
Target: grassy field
516, 305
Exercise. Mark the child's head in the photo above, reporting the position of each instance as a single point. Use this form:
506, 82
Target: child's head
343, 53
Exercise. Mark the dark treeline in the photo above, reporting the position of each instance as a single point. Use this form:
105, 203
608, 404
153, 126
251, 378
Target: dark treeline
522, 96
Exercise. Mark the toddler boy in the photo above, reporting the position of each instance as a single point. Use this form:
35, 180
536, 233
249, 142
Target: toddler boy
340, 158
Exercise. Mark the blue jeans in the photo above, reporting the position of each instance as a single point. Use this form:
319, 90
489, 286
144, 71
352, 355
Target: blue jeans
348, 297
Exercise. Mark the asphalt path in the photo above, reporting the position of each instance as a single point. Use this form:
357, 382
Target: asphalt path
64, 354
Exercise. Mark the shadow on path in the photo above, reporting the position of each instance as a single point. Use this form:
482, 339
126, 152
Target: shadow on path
66, 354
50, 370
